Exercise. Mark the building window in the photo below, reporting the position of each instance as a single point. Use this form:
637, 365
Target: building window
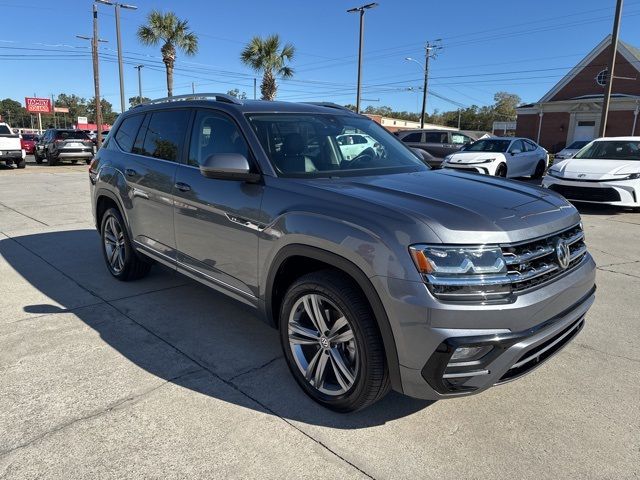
602, 77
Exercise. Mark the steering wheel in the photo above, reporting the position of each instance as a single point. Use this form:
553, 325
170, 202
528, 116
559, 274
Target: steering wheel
368, 155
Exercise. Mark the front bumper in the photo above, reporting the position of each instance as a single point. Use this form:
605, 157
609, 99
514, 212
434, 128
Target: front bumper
485, 168
427, 331
624, 193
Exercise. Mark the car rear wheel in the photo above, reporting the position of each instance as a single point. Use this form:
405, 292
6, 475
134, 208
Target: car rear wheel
37, 157
539, 171
331, 342
122, 261
51, 160
22, 163
501, 171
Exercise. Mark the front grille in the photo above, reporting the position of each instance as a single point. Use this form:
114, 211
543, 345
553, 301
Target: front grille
534, 357
587, 194
536, 262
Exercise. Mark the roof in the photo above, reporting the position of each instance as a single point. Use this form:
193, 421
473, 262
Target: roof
630, 53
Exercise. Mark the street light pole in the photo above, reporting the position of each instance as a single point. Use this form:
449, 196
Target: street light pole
96, 76
139, 68
612, 63
119, 43
360, 10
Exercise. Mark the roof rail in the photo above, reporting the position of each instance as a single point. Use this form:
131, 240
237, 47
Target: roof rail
218, 97
330, 105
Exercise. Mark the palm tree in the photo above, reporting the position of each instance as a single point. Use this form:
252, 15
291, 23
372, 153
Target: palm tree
266, 55
168, 29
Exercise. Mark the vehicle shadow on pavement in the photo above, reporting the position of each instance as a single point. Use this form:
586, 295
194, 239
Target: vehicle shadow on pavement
165, 316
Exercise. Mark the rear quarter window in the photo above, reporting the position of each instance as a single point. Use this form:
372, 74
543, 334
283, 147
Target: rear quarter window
126, 134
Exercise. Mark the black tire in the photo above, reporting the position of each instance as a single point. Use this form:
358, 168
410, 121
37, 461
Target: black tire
371, 380
501, 171
22, 163
37, 157
51, 160
539, 171
133, 265
88, 161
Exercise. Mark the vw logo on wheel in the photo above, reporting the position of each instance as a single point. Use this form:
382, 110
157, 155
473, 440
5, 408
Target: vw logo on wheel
563, 254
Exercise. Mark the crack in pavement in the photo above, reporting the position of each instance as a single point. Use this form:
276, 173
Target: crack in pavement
23, 214
114, 406
619, 273
608, 354
201, 365
255, 369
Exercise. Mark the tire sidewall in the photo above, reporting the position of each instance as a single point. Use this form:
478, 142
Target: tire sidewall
340, 402
501, 168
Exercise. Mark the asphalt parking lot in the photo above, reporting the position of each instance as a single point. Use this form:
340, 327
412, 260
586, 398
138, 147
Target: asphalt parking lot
164, 378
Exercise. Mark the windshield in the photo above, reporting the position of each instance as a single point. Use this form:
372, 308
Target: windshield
4, 130
312, 145
73, 134
611, 150
577, 145
488, 145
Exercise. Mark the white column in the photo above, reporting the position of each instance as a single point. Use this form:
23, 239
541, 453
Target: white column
540, 115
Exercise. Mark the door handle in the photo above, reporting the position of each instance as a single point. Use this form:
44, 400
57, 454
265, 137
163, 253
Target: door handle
183, 187
130, 172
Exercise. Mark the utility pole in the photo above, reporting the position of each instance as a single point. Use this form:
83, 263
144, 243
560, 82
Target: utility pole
119, 43
612, 63
96, 76
255, 84
139, 68
193, 88
459, 118
360, 10
430, 52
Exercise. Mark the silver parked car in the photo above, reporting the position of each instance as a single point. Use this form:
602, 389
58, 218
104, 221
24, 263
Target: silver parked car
377, 272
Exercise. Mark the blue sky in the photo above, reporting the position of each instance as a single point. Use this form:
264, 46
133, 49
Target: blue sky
521, 46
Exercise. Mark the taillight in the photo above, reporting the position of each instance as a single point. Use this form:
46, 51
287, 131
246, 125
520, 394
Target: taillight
58, 140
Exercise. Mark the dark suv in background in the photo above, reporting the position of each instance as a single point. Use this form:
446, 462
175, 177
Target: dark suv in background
436, 144
378, 272
56, 145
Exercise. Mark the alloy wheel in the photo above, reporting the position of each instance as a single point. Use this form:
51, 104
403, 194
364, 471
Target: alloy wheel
114, 244
323, 345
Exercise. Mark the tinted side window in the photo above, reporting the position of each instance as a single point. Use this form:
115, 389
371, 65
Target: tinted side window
529, 146
163, 135
517, 145
214, 133
435, 137
126, 134
413, 137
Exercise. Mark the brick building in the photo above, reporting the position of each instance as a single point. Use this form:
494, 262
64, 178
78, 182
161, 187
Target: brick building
571, 110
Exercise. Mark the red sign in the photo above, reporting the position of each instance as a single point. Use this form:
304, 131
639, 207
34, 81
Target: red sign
38, 105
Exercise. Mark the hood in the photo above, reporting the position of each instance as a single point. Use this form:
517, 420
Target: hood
567, 152
474, 157
585, 169
460, 208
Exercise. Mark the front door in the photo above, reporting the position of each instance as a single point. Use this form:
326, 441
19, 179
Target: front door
149, 171
217, 222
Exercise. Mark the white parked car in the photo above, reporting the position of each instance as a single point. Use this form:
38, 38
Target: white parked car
570, 150
605, 171
353, 144
502, 157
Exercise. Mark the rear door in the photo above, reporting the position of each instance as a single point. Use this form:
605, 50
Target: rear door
437, 144
150, 174
414, 139
217, 222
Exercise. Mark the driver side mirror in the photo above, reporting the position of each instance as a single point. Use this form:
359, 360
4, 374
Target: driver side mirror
228, 166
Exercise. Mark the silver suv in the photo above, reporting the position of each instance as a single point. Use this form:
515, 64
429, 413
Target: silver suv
377, 272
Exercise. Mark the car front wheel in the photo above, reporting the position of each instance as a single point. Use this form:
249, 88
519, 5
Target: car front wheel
122, 261
332, 343
501, 171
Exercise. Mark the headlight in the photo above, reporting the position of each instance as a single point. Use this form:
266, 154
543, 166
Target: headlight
486, 160
554, 173
463, 273
448, 158
633, 176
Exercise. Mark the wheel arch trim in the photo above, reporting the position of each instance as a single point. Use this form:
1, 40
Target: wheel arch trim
351, 269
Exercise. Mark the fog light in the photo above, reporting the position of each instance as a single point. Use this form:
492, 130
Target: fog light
467, 353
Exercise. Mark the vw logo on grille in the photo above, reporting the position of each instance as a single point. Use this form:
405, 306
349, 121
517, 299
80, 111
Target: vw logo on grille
563, 254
